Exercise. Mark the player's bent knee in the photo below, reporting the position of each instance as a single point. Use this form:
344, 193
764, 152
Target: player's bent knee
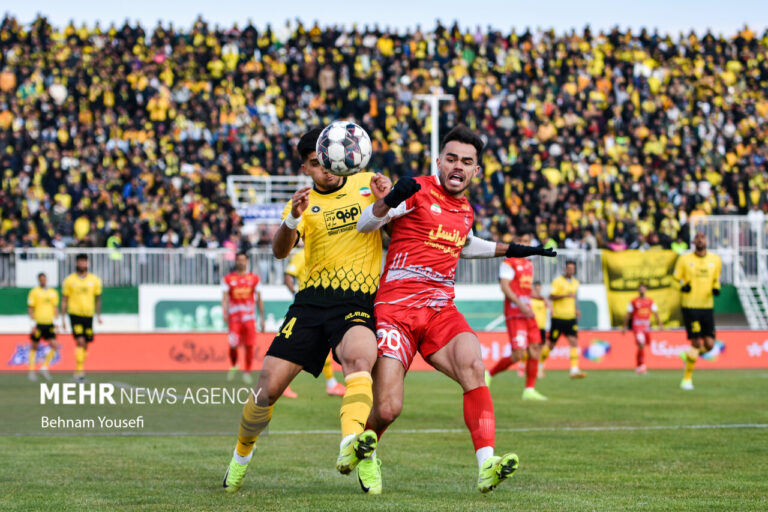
389, 411
517, 355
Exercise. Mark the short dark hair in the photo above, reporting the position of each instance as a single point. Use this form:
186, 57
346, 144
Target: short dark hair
81, 256
41, 274
308, 143
570, 262
461, 133
525, 229
241, 253
537, 283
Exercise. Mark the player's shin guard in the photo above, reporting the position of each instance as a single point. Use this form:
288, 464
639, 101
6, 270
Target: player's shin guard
503, 364
480, 419
545, 350
356, 404
574, 358
248, 357
253, 422
32, 359
690, 362
531, 372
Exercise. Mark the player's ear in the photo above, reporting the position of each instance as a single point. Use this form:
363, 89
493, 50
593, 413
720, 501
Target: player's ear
303, 169
477, 171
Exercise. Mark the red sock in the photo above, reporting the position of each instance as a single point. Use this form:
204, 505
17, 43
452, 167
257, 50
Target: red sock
531, 371
233, 356
503, 364
248, 357
379, 431
640, 355
479, 417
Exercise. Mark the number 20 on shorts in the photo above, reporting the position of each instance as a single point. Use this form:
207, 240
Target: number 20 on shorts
391, 338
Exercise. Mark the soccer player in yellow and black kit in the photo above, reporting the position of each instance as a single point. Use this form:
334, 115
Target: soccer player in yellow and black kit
333, 309
294, 273
565, 317
81, 299
42, 305
698, 274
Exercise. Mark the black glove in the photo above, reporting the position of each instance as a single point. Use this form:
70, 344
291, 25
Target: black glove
715, 291
521, 251
686, 288
403, 189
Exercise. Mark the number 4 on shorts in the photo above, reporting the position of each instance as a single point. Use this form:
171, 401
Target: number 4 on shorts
287, 329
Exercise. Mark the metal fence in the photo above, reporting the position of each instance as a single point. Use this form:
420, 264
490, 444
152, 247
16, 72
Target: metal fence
132, 267
739, 241
736, 239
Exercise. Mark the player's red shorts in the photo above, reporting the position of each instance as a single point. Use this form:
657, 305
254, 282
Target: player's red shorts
642, 336
401, 331
522, 332
241, 332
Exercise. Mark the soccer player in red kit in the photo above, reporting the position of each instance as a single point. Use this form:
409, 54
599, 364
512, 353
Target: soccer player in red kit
639, 312
431, 221
241, 295
516, 279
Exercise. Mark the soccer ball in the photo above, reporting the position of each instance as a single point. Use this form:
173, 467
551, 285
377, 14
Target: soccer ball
343, 148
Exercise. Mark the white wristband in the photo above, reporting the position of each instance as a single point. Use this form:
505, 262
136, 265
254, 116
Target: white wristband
291, 222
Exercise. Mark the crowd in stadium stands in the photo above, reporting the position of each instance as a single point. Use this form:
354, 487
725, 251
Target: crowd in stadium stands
124, 136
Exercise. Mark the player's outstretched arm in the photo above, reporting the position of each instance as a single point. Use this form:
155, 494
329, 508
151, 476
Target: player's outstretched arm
388, 207
479, 248
287, 235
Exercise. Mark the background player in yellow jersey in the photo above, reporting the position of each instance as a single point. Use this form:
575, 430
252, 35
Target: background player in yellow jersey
565, 316
42, 305
333, 309
698, 274
81, 299
540, 305
292, 277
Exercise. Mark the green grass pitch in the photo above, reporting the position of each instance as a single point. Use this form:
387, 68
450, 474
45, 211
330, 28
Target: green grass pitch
613, 442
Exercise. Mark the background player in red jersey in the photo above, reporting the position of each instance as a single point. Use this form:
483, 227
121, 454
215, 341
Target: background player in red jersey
639, 315
516, 280
241, 295
414, 308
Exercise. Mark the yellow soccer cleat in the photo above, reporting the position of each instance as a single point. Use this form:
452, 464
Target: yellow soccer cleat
369, 475
495, 470
355, 450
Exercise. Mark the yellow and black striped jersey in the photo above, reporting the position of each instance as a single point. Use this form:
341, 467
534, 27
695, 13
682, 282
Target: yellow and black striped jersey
703, 274
342, 264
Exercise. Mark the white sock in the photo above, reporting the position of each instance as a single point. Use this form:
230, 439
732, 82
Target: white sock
350, 436
529, 387
329, 383
575, 369
242, 460
482, 454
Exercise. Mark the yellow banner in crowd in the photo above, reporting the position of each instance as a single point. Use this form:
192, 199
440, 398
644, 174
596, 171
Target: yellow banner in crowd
624, 272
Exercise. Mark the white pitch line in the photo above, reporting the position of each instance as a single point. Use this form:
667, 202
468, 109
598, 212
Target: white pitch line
596, 428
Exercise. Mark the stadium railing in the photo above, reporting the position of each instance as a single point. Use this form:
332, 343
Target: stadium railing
133, 267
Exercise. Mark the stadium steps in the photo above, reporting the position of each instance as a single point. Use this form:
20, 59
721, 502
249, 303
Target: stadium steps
754, 300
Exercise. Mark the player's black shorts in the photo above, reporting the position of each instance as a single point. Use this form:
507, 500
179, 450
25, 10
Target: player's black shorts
699, 323
43, 332
82, 326
543, 333
309, 331
562, 327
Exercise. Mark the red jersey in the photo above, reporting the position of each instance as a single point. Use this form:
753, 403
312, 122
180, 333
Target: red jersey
519, 272
427, 240
242, 294
641, 308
